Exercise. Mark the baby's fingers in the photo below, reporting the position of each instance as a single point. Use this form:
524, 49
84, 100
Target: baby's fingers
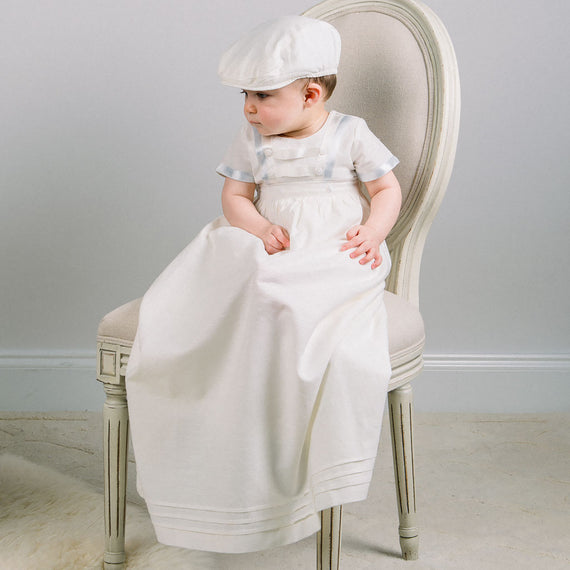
353, 242
377, 261
374, 256
367, 258
364, 247
271, 249
281, 235
352, 232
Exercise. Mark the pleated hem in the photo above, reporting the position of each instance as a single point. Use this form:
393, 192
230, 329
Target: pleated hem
237, 544
236, 532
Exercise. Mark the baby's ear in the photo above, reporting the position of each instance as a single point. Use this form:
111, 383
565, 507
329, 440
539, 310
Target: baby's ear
313, 93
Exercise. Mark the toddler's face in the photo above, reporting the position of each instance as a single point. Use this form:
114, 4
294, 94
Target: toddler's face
277, 112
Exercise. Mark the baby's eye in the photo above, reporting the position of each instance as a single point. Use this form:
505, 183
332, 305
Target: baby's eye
262, 95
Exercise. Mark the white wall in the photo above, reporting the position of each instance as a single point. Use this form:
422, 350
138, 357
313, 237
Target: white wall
112, 121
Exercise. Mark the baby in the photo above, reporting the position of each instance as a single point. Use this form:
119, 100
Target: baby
257, 379
296, 110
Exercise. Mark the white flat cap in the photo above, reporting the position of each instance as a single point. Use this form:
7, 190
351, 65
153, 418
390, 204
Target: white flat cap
279, 52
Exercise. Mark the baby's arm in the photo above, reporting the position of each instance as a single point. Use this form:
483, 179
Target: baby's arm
239, 210
385, 202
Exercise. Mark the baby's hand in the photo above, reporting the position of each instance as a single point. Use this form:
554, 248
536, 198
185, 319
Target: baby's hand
275, 238
365, 240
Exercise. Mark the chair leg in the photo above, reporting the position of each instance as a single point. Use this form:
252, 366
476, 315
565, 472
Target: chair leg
329, 538
115, 447
401, 412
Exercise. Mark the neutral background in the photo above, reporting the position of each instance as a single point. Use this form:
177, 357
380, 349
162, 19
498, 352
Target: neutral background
112, 122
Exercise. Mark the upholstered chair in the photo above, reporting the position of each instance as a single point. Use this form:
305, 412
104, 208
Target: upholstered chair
398, 71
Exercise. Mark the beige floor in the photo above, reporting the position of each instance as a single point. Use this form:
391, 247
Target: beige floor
493, 491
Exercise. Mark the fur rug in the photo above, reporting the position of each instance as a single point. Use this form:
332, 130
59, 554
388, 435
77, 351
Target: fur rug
52, 521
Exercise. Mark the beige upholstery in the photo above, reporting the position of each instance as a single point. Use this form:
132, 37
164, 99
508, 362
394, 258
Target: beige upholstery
405, 327
393, 100
120, 326
398, 71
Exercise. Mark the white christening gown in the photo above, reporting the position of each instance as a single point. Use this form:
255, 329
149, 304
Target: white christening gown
256, 382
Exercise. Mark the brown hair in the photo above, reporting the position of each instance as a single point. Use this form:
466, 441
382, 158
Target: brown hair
327, 82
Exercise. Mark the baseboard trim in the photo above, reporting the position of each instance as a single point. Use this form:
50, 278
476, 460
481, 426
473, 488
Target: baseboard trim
49, 382
433, 362
47, 360
497, 362
505, 383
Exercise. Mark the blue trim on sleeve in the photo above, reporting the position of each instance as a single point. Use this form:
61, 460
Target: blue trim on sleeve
380, 171
228, 172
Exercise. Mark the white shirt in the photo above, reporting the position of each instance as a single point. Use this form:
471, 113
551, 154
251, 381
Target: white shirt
344, 149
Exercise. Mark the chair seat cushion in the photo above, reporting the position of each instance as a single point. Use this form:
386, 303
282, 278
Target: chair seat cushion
120, 326
405, 327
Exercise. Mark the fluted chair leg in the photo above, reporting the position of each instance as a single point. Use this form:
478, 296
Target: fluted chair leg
401, 427
329, 538
115, 446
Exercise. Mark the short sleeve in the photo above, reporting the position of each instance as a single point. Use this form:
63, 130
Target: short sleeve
370, 157
236, 163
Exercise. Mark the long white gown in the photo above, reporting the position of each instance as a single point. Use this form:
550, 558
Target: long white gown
256, 382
